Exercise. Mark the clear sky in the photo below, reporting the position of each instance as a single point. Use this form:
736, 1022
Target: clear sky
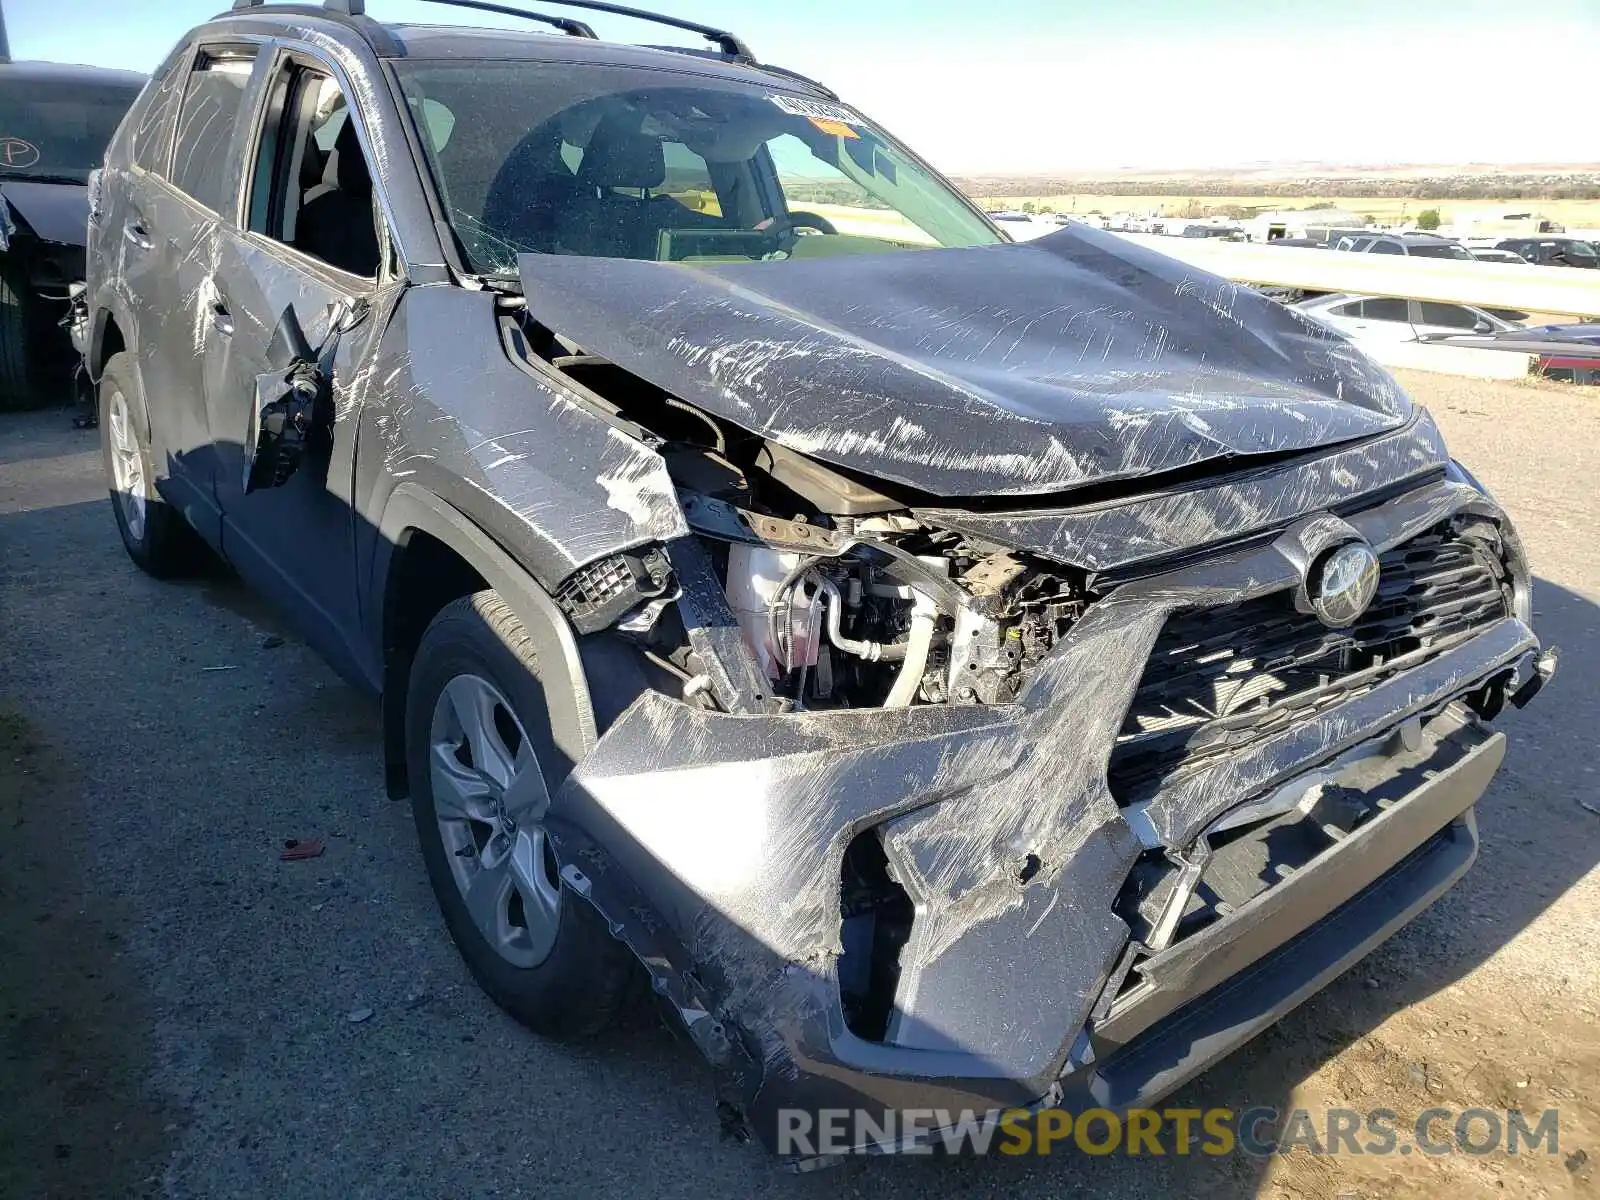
1039, 85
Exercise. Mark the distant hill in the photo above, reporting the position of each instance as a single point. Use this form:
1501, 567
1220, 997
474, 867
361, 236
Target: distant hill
1471, 181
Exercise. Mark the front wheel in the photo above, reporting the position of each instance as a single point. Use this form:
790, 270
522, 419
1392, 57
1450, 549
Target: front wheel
480, 757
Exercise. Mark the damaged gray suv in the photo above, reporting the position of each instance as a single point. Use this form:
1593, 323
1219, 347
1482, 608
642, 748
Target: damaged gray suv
958, 675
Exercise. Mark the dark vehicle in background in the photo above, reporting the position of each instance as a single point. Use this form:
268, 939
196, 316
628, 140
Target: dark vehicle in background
1549, 251
962, 674
1569, 353
55, 122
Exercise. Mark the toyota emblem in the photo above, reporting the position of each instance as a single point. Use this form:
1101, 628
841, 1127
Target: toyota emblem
1342, 583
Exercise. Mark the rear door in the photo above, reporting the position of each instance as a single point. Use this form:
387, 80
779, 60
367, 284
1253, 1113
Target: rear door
311, 236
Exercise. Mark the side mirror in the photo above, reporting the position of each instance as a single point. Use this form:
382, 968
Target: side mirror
293, 405
1482, 326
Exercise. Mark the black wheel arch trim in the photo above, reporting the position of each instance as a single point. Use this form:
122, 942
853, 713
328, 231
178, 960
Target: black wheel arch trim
572, 722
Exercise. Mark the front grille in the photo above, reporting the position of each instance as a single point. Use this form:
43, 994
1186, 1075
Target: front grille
1221, 678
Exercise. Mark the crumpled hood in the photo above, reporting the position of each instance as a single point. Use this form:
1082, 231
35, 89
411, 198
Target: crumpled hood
1002, 370
56, 212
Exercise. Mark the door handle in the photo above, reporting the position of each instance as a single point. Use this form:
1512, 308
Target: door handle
221, 318
136, 234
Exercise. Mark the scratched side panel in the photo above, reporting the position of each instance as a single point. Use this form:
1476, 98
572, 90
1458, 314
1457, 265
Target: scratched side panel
542, 472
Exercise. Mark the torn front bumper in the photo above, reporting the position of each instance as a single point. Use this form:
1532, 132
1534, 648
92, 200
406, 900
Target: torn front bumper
713, 845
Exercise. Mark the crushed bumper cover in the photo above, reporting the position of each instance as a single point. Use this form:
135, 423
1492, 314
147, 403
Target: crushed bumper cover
713, 843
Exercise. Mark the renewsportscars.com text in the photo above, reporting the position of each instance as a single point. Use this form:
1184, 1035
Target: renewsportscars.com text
1258, 1132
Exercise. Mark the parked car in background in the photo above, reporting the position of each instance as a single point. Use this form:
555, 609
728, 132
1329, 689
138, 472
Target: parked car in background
1548, 251
1391, 318
1570, 353
55, 122
1327, 235
1023, 226
1421, 245
1495, 255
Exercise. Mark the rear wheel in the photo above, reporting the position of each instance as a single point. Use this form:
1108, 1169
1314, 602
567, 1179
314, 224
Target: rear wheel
480, 757
154, 533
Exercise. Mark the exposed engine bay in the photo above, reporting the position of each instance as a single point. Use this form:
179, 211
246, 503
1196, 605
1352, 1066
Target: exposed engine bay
879, 624
843, 597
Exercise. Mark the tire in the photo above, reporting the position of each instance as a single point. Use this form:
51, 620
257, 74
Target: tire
560, 972
16, 364
155, 534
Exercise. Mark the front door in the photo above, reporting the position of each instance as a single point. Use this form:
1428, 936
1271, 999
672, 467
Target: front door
310, 241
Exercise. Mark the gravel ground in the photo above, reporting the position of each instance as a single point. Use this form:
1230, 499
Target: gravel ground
183, 1020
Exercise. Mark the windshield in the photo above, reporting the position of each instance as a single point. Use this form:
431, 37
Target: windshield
623, 162
58, 130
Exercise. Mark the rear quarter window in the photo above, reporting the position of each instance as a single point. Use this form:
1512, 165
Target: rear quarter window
150, 137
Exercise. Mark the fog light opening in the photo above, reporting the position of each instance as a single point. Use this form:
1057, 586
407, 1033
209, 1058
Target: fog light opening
876, 916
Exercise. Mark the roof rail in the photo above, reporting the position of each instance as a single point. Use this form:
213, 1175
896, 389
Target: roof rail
348, 8
565, 24
729, 43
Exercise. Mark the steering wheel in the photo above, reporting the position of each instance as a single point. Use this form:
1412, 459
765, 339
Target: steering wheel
808, 220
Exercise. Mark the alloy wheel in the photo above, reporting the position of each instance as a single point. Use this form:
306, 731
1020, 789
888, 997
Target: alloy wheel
489, 798
127, 466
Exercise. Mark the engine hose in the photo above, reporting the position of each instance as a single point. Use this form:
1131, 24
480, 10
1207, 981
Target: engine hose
780, 598
910, 677
871, 651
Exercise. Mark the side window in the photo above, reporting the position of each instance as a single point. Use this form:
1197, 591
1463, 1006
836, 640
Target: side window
1350, 309
813, 184
688, 180
211, 106
1453, 316
311, 186
1385, 248
152, 129
1385, 308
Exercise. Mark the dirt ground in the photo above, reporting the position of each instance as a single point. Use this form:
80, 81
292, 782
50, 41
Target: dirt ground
78, 1116
176, 1004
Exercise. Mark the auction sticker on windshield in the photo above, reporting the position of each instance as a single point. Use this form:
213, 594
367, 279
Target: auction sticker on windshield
830, 118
